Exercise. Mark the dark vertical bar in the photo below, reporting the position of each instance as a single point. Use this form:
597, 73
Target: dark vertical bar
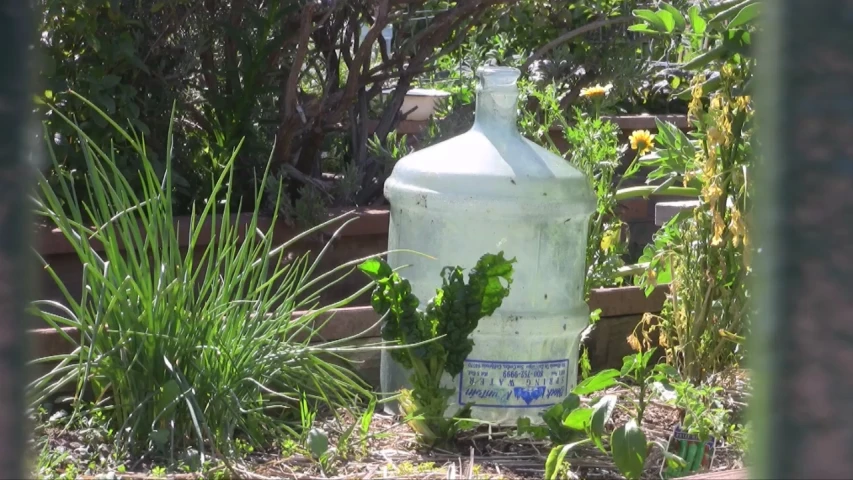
15, 98
806, 282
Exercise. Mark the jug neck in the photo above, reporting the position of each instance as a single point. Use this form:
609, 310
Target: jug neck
497, 100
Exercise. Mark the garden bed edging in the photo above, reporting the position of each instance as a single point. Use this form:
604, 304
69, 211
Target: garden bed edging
621, 308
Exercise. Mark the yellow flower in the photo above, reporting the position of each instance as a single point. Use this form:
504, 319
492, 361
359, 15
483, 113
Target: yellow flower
642, 141
743, 102
728, 72
662, 340
608, 239
596, 92
719, 229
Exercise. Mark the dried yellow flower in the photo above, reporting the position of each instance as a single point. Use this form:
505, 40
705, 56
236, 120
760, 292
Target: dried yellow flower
694, 109
714, 136
719, 229
642, 141
711, 192
717, 102
743, 102
634, 343
737, 227
662, 340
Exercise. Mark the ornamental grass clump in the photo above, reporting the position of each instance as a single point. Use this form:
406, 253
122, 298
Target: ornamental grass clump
183, 343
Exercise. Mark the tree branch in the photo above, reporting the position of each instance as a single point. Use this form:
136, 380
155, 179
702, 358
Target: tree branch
570, 35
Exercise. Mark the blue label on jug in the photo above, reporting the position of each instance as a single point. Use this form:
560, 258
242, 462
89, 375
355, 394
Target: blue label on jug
494, 384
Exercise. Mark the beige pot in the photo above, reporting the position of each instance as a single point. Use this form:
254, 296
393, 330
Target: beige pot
425, 100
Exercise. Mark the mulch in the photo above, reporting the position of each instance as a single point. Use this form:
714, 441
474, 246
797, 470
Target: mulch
392, 451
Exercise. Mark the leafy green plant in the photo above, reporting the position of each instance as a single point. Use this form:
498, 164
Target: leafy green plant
569, 425
388, 152
437, 338
704, 415
636, 368
706, 253
181, 342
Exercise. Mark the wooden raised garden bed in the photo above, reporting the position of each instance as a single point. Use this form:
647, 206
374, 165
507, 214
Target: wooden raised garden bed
621, 308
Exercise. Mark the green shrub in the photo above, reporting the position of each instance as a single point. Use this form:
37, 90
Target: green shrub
185, 346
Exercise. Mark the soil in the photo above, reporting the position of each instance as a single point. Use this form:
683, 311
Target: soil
392, 451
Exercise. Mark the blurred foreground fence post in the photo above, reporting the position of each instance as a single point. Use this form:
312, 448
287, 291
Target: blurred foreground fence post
803, 334
15, 105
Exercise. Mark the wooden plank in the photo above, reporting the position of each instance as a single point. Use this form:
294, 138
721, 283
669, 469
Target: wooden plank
340, 323
607, 341
736, 474
370, 221
617, 302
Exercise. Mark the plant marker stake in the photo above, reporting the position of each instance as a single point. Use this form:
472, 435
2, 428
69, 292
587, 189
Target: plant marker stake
15, 98
801, 342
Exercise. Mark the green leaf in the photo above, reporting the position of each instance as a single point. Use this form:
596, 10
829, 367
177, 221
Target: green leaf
668, 20
317, 442
579, 419
601, 413
168, 399
727, 14
746, 15
556, 457
706, 58
641, 27
651, 17
697, 23
538, 432
667, 370
109, 81
712, 9
629, 364
376, 269
676, 15
571, 402
485, 289
664, 275
666, 133
666, 184
599, 381
710, 85
675, 82
629, 446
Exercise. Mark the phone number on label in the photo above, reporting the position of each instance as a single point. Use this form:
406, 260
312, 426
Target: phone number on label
523, 374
